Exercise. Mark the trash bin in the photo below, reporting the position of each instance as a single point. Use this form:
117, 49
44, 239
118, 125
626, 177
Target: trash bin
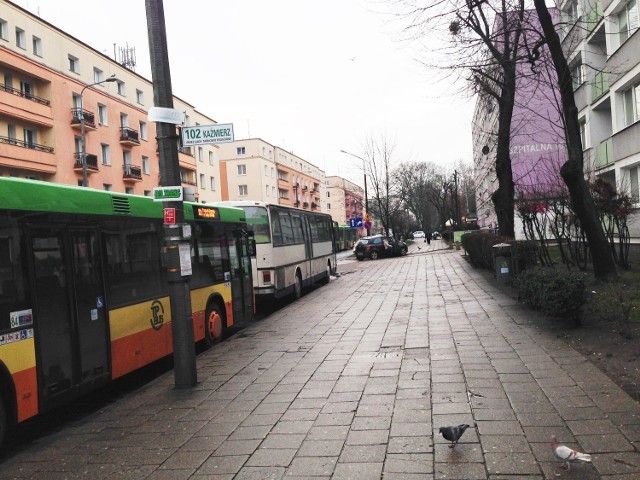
502, 261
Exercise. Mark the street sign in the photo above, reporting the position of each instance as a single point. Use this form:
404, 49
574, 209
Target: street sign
367, 225
169, 216
207, 134
164, 194
166, 115
355, 222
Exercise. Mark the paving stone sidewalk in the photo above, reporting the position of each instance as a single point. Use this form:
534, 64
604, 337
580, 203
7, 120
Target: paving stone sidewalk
353, 382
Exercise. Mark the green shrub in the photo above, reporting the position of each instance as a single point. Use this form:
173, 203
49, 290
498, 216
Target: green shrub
558, 293
479, 248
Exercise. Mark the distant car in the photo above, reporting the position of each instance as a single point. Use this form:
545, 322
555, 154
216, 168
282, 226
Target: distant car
418, 234
436, 236
374, 248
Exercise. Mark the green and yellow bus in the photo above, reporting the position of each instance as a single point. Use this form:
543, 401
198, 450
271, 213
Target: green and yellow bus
83, 293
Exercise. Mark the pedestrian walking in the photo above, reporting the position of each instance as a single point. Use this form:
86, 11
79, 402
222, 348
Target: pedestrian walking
427, 238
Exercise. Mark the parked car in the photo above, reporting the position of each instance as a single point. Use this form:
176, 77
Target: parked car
436, 236
418, 234
376, 247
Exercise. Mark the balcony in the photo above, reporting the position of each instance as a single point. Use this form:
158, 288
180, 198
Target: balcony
594, 16
23, 144
129, 136
92, 162
27, 95
600, 86
89, 119
132, 173
604, 154
27, 156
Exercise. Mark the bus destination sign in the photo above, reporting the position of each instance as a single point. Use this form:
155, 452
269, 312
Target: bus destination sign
207, 134
207, 213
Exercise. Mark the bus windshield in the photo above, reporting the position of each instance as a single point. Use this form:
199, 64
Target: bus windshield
258, 220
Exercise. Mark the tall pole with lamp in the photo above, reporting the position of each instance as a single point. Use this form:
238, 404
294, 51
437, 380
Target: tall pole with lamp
364, 171
83, 140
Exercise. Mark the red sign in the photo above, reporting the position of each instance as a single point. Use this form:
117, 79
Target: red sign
169, 216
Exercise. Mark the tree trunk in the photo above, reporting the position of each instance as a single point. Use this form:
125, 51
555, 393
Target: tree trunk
573, 169
503, 197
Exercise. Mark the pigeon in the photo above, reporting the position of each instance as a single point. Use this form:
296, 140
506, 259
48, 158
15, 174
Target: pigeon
567, 455
453, 433
419, 248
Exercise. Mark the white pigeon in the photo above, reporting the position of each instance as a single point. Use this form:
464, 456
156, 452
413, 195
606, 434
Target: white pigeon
567, 455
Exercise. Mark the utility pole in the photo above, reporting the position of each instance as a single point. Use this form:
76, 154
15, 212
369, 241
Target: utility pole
176, 234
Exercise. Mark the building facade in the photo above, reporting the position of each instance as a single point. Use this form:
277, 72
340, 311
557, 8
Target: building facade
602, 42
345, 200
537, 146
57, 91
253, 169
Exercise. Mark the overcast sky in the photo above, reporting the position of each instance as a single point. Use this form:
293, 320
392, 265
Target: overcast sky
313, 77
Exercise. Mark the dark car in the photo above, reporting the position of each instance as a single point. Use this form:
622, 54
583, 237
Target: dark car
375, 247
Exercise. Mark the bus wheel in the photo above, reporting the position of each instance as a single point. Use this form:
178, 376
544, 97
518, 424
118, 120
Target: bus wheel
3, 421
297, 287
215, 325
327, 279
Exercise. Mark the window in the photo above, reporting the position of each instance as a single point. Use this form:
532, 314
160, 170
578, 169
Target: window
147, 193
26, 89
633, 184
583, 133
202, 181
242, 169
243, 191
212, 183
200, 154
143, 130
129, 190
107, 187
631, 101
273, 172
328, 205
267, 190
37, 46
140, 96
266, 170
240, 150
124, 120
145, 165
328, 194
105, 152
4, 29
29, 138
628, 20
103, 117
126, 157
273, 191
210, 158
121, 89
20, 38
74, 64
577, 74
98, 75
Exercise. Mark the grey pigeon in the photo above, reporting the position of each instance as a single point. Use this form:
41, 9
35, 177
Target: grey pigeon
453, 433
567, 455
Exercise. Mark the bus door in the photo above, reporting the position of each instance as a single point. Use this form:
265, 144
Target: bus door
70, 317
241, 284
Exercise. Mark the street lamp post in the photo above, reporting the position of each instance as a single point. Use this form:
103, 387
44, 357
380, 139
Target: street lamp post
83, 140
364, 171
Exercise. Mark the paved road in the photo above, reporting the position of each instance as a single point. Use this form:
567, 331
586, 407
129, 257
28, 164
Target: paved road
353, 382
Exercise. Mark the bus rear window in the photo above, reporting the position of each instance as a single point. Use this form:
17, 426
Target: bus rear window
258, 221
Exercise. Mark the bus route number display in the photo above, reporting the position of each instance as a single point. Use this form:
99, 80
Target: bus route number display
206, 213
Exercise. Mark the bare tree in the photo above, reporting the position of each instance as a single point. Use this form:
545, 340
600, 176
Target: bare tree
385, 201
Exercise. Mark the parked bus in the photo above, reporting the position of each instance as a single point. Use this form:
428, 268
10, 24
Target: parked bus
346, 236
294, 248
83, 295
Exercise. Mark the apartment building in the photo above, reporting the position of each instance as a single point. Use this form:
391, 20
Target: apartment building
345, 200
56, 90
537, 148
602, 43
253, 169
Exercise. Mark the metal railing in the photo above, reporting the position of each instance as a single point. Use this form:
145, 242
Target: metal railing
28, 96
604, 153
89, 117
92, 161
23, 144
129, 135
600, 85
132, 171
